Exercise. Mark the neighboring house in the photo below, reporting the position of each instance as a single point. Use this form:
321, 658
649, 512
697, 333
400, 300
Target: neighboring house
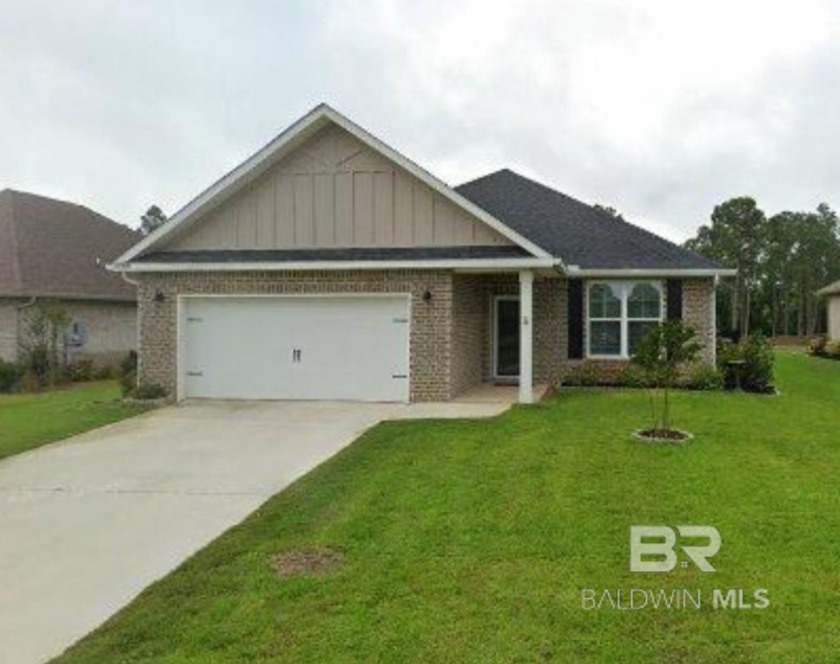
329, 266
832, 296
54, 252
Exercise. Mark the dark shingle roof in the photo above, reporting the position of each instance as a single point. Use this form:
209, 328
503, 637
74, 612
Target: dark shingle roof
572, 231
50, 248
353, 254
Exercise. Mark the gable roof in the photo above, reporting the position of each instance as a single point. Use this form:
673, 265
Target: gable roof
831, 289
576, 233
282, 145
50, 248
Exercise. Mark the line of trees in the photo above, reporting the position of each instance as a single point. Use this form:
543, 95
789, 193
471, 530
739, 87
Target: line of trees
781, 262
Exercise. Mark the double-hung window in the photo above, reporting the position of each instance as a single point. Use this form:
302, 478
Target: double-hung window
621, 313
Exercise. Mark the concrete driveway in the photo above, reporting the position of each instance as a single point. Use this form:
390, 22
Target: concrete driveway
86, 524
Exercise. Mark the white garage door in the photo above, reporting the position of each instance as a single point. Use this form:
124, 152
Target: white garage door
328, 347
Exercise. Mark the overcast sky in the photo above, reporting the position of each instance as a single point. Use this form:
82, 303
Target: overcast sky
659, 108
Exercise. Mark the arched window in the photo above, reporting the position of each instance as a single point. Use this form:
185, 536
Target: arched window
620, 315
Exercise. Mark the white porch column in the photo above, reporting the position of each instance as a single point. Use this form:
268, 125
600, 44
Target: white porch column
526, 336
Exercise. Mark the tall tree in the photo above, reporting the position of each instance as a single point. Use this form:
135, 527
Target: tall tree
781, 262
735, 238
152, 219
610, 210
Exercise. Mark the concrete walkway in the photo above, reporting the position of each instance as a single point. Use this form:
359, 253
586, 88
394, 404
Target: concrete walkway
87, 523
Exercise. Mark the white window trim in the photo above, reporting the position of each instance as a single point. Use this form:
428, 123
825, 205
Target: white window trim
624, 287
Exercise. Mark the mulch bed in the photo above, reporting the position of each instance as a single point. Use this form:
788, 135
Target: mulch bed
307, 561
662, 436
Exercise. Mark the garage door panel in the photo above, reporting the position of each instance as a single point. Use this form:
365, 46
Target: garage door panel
296, 348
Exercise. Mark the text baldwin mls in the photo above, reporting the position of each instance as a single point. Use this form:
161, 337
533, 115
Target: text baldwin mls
652, 551
675, 599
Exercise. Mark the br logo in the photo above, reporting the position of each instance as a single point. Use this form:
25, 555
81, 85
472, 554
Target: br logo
652, 547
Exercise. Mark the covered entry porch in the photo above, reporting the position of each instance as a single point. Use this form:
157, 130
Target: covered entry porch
508, 334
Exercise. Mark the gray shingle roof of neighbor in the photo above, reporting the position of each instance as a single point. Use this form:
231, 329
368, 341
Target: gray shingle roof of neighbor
351, 254
52, 248
831, 289
576, 233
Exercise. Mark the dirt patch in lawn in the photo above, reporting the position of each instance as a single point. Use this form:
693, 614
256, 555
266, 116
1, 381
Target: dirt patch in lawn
318, 561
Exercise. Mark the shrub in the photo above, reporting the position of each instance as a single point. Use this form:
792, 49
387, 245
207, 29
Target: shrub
756, 372
149, 391
42, 345
633, 376
80, 370
705, 378
817, 345
832, 349
584, 375
128, 373
10, 375
106, 372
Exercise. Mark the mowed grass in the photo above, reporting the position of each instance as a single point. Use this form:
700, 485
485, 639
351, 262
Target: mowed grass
30, 420
470, 541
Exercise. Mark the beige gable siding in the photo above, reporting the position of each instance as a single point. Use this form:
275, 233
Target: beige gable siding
834, 317
334, 191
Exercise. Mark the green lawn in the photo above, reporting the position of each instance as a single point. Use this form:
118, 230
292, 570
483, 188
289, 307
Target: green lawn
31, 420
470, 541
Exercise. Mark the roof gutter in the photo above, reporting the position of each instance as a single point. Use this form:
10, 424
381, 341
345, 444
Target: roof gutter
575, 271
301, 266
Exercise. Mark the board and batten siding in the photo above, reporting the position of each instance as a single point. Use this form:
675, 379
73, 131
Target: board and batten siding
334, 191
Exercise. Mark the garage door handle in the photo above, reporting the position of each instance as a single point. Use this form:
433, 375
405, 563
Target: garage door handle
296, 353
195, 373
399, 376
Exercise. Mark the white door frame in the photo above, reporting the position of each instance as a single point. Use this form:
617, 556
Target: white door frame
180, 309
495, 323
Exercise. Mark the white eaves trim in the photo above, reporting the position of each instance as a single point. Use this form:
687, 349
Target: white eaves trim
264, 158
296, 266
619, 273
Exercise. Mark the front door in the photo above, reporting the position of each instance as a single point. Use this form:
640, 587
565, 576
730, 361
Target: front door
506, 346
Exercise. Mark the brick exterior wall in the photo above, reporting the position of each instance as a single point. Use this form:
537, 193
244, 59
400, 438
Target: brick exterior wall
111, 329
549, 329
469, 330
430, 339
698, 312
451, 335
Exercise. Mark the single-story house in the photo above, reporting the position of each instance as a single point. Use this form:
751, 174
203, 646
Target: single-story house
832, 297
55, 253
330, 266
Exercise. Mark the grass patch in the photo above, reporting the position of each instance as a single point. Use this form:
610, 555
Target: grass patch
470, 541
28, 421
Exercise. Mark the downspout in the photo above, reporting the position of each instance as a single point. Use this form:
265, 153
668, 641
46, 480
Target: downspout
136, 284
26, 305
129, 280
